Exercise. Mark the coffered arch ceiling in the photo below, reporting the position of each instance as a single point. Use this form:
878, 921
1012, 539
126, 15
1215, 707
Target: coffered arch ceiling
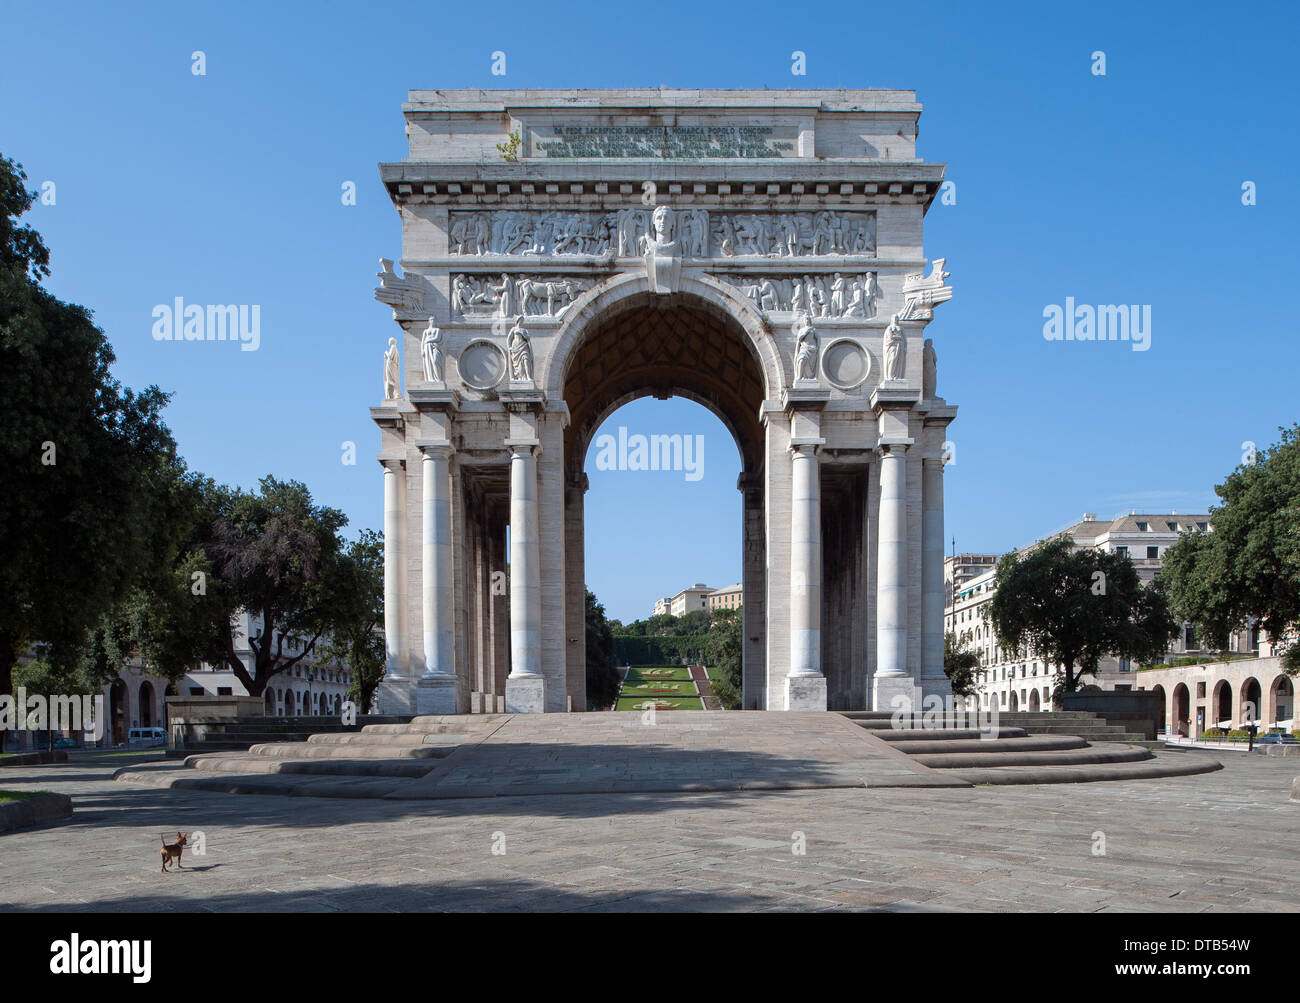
665, 346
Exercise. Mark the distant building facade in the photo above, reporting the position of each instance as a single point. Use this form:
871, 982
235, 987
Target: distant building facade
732, 597
1009, 683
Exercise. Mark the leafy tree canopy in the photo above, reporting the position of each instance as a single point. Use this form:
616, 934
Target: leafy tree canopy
1073, 608
1248, 568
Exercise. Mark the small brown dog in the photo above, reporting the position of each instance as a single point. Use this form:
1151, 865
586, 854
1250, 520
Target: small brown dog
172, 851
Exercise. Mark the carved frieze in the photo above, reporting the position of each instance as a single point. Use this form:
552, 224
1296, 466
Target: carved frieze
481, 296
794, 234
837, 295
626, 232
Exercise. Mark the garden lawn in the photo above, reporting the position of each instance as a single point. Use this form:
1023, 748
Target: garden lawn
643, 674
661, 703
19, 795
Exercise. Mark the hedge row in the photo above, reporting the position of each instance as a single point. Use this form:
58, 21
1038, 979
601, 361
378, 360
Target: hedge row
638, 649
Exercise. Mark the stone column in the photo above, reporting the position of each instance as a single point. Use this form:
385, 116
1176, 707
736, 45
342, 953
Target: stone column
892, 679
395, 690
933, 679
805, 684
436, 689
525, 686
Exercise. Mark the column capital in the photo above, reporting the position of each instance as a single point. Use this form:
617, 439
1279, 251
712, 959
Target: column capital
435, 448
523, 447
805, 446
894, 448
394, 463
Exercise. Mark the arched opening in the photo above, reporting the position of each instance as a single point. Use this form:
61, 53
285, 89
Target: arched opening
686, 345
1282, 703
1015, 701
1034, 705
1252, 707
1182, 710
1159, 692
1222, 704
117, 700
146, 705
269, 702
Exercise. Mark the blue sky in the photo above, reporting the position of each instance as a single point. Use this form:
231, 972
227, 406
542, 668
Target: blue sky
1124, 188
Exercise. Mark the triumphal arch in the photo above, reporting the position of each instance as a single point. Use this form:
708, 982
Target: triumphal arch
565, 252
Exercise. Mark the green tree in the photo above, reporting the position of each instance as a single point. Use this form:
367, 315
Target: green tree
1073, 608
723, 651
960, 665
40, 677
272, 553
602, 677
357, 612
1248, 568
83, 508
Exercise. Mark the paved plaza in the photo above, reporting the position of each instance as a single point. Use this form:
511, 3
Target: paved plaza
1224, 841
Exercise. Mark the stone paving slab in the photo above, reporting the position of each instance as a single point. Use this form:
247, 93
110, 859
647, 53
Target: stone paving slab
1213, 842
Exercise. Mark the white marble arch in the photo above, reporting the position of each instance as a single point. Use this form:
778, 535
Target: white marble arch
588, 310
468, 467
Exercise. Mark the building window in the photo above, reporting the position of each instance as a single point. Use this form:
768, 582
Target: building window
225, 691
196, 691
1189, 638
1143, 527
1122, 551
1153, 553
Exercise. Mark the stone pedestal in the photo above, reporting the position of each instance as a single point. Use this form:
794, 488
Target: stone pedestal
805, 693
525, 695
895, 693
395, 697
437, 695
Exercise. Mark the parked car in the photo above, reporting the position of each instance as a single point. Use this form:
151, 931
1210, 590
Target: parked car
146, 736
67, 743
1277, 738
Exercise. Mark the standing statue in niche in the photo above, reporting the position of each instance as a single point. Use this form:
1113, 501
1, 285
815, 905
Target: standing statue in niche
392, 390
520, 352
805, 352
895, 351
929, 371
431, 353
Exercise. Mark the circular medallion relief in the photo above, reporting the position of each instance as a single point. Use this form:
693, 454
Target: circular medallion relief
481, 365
845, 364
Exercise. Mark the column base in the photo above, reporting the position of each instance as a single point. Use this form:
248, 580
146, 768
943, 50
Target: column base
525, 695
805, 693
896, 694
394, 697
438, 695
940, 687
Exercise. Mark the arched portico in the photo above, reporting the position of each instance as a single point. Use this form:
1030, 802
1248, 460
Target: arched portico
538, 297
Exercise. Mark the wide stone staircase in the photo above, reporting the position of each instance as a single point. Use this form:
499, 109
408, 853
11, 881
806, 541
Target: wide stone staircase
1027, 748
372, 762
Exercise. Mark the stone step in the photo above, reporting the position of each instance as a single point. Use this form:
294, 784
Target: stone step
306, 750
1029, 743
924, 734
284, 785
1157, 766
400, 739
318, 767
1064, 757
